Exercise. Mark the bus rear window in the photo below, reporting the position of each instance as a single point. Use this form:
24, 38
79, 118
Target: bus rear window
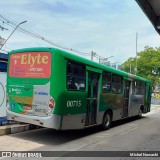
30, 65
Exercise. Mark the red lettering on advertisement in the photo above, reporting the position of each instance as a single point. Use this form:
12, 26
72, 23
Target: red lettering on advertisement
30, 65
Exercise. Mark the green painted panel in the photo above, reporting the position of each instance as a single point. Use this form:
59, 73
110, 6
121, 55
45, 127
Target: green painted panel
94, 69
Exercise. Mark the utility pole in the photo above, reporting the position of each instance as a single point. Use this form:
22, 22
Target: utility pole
136, 53
12, 33
92, 55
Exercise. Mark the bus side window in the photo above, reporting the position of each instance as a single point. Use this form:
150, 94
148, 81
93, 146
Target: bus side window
76, 76
117, 84
72, 84
106, 82
138, 87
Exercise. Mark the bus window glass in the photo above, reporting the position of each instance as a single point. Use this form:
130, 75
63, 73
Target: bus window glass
106, 82
138, 87
76, 76
116, 86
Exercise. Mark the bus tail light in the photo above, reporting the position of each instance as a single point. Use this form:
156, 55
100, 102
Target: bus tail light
51, 106
51, 103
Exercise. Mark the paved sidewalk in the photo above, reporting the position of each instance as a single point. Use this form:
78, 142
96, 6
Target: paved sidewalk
15, 127
155, 105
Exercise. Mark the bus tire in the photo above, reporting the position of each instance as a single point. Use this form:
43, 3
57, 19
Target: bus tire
140, 113
107, 120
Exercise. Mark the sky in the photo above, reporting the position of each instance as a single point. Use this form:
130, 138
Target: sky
107, 27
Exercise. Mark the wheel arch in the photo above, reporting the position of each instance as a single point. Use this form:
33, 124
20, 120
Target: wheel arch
107, 114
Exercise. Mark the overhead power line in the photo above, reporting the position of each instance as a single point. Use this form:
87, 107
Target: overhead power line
13, 24
35, 35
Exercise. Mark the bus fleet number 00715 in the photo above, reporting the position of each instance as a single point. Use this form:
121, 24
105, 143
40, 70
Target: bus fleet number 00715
76, 103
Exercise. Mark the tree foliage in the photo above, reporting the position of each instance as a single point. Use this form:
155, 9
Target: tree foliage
148, 64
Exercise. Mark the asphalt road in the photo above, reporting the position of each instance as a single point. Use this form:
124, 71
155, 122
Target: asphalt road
125, 135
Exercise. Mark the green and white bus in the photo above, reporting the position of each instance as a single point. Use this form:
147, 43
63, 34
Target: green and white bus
55, 89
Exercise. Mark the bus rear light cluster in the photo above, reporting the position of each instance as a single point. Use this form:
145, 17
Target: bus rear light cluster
51, 106
52, 101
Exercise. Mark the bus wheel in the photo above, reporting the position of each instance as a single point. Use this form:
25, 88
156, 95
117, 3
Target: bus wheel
107, 119
140, 113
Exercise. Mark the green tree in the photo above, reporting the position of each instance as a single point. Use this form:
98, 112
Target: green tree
148, 64
129, 65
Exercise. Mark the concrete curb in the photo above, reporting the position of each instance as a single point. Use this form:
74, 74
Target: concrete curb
15, 128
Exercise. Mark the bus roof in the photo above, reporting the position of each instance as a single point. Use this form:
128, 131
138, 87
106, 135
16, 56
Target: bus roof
79, 59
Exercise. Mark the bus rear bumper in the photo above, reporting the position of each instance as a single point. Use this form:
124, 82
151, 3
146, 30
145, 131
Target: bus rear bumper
52, 121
